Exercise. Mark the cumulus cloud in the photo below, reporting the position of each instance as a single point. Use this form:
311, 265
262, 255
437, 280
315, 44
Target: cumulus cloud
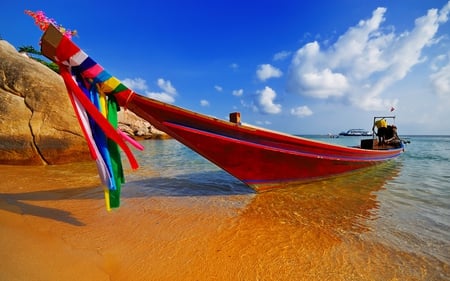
301, 111
218, 88
238, 93
166, 86
137, 84
364, 61
324, 83
140, 85
266, 103
267, 71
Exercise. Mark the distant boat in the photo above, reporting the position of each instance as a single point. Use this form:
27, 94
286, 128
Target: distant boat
260, 158
356, 132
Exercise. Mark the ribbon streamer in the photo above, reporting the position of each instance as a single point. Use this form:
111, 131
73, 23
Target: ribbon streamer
91, 91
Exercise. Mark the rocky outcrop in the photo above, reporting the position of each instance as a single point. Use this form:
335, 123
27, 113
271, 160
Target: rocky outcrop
137, 127
37, 123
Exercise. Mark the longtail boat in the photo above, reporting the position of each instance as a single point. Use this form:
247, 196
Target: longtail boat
260, 158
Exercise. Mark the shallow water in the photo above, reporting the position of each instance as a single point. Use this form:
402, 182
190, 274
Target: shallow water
184, 219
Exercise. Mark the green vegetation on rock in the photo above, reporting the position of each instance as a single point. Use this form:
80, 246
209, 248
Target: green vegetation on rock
37, 56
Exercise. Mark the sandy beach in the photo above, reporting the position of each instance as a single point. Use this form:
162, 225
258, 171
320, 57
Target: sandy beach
54, 226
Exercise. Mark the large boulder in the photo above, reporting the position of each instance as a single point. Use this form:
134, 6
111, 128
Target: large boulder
37, 123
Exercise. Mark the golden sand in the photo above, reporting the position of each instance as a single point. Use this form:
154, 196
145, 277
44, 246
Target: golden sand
54, 226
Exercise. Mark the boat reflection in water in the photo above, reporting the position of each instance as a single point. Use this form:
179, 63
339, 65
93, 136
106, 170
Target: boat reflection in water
339, 204
311, 231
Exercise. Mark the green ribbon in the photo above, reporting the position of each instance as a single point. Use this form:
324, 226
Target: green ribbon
113, 148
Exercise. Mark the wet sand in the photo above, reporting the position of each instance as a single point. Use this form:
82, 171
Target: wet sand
54, 226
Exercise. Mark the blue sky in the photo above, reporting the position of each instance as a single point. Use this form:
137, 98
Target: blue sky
301, 67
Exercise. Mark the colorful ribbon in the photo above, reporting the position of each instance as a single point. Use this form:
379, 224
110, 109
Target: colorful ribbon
91, 90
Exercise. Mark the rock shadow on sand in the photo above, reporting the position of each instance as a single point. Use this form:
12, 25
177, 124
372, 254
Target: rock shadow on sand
188, 185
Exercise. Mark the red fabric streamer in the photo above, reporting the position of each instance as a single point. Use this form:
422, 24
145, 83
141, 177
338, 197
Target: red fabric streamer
107, 128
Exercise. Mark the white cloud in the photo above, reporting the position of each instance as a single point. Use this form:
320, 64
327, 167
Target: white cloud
250, 105
204, 103
301, 111
238, 93
266, 103
164, 97
140, 85
166, 86
440, 80
218, 88
266, 122
324, 83
281, 55
435, 65
366, 60
267, 71
443, 13
137, 84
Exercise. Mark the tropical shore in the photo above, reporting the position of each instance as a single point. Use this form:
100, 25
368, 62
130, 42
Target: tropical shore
54, 226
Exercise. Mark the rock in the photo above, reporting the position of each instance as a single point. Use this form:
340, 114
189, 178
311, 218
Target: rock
137, 127
37, 123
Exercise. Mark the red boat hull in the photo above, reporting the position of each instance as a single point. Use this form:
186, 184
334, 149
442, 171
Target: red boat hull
260, 158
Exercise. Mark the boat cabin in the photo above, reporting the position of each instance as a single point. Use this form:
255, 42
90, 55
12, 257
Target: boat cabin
384, 134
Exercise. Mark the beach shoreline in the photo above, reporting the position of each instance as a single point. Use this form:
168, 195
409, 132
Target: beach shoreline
55, 227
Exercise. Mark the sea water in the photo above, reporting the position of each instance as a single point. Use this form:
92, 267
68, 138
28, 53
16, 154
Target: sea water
182, 218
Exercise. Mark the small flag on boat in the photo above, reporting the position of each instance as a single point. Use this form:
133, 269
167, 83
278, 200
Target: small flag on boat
91, 91
392, 108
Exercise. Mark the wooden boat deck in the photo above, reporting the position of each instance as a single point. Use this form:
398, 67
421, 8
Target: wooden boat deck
375, 145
